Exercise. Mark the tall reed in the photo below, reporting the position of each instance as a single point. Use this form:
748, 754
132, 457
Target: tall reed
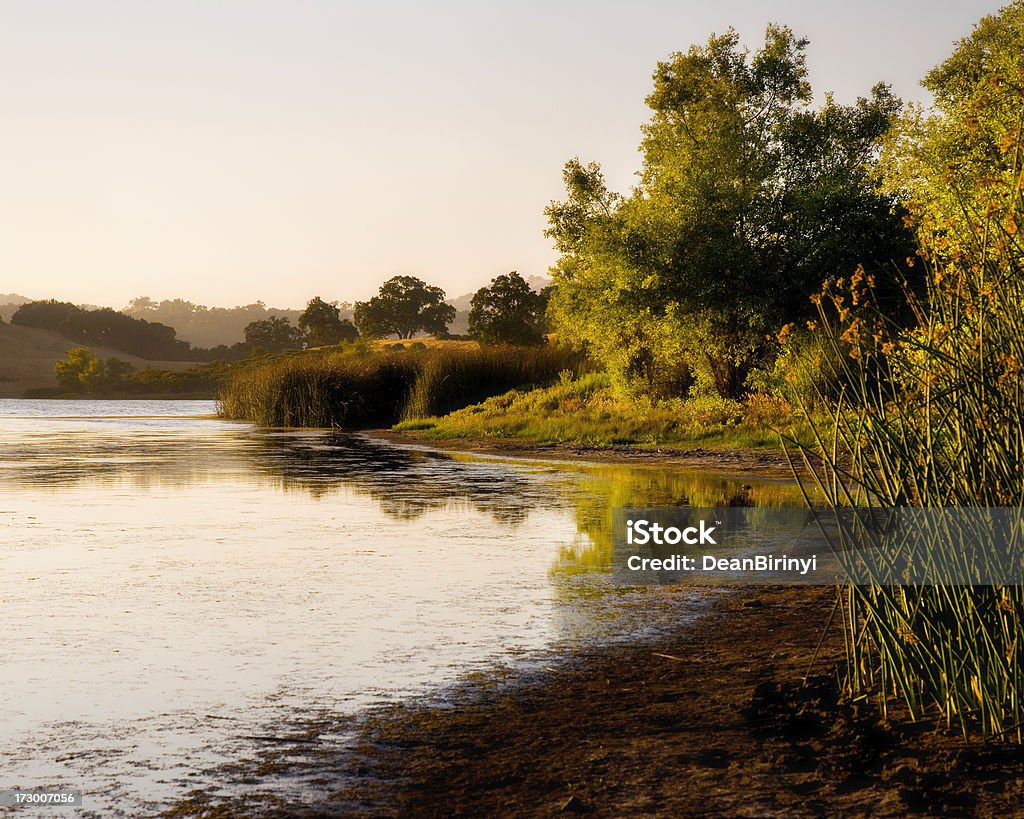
932, 415
349, 391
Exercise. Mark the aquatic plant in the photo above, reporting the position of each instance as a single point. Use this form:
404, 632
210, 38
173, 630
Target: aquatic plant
351, 390
932, 415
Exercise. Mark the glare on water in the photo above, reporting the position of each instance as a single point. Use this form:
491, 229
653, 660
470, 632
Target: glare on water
174, 584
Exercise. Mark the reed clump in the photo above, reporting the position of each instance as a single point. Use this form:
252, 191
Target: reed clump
352, 388
932, 415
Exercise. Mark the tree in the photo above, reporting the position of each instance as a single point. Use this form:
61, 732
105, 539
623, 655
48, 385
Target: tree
105, 327
747, 200
403, 306
322, 324
80, 371
507, 312
272, 335
957, 167
45, 315
116, 371
83, 371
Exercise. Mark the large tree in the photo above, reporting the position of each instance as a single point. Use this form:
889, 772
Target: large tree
403, 306
322, 323
272, 335
747, 199
958, 166
507, 312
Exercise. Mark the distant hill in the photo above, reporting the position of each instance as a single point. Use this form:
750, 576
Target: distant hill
27, 356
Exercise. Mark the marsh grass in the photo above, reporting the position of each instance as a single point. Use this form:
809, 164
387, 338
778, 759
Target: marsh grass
355, 388
589, 411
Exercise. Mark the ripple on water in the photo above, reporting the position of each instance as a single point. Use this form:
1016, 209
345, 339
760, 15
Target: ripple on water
178, 587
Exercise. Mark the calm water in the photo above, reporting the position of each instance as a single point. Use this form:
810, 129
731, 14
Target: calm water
175, 585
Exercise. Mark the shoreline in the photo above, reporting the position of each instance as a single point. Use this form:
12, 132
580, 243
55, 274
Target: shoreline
770, 463
719, 717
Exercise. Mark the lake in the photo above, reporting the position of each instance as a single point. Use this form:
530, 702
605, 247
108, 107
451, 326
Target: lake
177, 587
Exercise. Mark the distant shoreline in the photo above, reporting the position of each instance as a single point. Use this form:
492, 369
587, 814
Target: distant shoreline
159, 396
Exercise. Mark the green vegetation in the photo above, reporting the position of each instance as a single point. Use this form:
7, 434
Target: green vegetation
321, 324
748, 199
589, 411
403, 307
508, 312
82, 372
934, 413
354, 388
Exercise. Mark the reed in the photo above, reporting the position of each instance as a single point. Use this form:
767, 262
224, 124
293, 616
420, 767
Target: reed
350, 390
932, 415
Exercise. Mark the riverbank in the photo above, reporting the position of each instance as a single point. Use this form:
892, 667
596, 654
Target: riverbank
590, 410
764, 462
714, 719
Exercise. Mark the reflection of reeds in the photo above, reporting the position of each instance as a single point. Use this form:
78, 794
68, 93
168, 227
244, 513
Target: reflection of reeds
350, 391
933, 416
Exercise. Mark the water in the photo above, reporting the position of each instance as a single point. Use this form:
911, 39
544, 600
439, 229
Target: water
174, 585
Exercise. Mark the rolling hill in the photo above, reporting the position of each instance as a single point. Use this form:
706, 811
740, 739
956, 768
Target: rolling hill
27, 357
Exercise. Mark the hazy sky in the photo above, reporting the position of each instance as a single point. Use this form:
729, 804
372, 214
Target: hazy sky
225, 151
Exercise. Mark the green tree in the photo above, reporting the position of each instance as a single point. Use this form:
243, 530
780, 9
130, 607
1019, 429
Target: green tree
322, 324
116, 371
507, 312
957, 166
403, 306
81, 371
272, 335
84, 371
748, 199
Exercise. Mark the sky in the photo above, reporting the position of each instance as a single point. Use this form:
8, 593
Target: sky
229, 151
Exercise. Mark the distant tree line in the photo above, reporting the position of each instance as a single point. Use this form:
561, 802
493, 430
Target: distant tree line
506, 312
209, 327
105, 328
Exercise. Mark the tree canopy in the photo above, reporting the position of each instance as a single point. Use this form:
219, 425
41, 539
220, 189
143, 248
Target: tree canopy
403, 306
748, 198
272, 335
83, 371
105, 327
507, 312
957, 167
322, 324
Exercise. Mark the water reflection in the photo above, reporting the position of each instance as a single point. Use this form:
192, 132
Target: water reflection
602, 488
405, 483
194, 581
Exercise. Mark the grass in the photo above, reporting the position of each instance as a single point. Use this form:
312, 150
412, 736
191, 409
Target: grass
354, 387
587, 410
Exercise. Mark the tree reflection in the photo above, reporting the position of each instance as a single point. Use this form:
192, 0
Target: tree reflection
604, 488
406, 483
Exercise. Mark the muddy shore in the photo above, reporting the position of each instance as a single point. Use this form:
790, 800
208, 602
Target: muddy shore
726, 717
